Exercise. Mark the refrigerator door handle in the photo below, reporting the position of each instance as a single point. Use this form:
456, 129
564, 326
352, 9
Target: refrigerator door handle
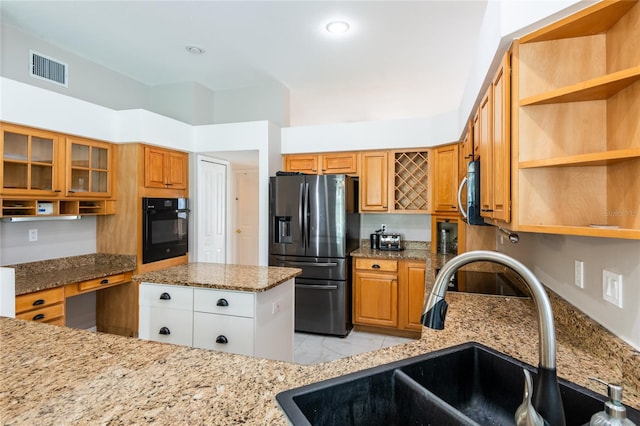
317, 287
314, 264
301, 220
307, 229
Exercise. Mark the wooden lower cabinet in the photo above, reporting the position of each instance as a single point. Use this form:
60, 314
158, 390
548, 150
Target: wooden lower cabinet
49, 306
375, 300
388, 295
42, 306
411, 299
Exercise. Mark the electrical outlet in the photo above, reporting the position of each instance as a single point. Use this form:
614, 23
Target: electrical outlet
612, 287
275, 307
579, 274
33, 235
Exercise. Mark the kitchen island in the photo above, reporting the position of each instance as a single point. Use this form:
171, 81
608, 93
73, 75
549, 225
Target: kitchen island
232, 308
56, 375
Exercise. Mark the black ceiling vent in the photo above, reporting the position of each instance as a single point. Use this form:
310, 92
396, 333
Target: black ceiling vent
47, 68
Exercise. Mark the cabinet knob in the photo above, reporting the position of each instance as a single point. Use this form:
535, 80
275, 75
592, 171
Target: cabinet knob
165, 296
38, 302
375, 266
222, 302
38, 317
222, 339
105, 281
164, 331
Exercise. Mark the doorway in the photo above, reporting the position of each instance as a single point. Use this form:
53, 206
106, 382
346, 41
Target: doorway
212, 210
245, 214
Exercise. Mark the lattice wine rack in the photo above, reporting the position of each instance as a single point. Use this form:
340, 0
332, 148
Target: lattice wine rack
411, 181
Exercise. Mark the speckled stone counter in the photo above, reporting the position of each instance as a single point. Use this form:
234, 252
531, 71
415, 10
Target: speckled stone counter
41, 275
57, 375
221, 276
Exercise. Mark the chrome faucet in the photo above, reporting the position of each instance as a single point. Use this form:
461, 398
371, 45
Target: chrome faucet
547, 400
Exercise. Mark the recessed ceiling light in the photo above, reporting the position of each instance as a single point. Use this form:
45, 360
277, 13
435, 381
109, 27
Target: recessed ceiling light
195, 50
337, 27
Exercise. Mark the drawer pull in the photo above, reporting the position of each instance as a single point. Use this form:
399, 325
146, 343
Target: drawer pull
105, 281
375, 266
222, 339
38, 302
38, 317
165, 331
222, 302
165, 296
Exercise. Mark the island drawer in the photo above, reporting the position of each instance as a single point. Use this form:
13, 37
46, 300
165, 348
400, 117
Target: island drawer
377, 264
223, 333
166, 325
224, 302
166, 296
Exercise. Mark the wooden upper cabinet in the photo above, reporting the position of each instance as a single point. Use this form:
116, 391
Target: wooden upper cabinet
494, 140
576, 124
374, 189
446, 178
340, 163
501, 142
89, 168
303, 163
483, 125
322, 164
32, 162
165, 168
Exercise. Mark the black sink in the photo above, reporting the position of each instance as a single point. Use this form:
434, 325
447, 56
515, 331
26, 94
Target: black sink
469, 384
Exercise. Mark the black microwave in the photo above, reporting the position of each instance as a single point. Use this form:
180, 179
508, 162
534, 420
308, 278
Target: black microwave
165, 228
471, 211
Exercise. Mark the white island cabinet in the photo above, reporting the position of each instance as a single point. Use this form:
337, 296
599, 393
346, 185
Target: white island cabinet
253, 320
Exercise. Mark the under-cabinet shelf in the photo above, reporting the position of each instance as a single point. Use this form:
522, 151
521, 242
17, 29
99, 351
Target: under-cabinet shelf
584, 231
54, 209
591, 90
591, 159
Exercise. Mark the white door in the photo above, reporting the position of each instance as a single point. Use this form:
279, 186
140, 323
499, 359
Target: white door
245, 241
211, 229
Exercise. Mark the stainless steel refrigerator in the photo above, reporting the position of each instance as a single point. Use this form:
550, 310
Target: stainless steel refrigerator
314, 224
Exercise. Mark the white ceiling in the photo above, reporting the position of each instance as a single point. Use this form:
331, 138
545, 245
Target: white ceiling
400, 59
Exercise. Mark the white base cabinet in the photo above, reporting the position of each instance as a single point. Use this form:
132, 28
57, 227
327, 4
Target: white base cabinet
257, 324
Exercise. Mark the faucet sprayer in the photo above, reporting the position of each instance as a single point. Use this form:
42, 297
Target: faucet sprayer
547, 400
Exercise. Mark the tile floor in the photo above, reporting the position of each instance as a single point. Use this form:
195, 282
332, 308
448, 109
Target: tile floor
314, 349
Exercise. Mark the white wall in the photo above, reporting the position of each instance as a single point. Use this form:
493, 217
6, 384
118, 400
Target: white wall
55, 239
269, 102
551, 258
87, 80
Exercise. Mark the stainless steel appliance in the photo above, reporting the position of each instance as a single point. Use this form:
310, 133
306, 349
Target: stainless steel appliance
471, 210
165, 228
390, 242
314, 224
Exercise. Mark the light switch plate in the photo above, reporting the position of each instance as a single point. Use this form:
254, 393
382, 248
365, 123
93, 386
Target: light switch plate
612, 287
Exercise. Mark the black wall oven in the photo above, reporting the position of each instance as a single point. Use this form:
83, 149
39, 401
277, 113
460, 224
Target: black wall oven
165, 228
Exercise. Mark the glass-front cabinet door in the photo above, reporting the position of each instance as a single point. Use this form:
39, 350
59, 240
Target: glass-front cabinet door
88, 168
29, 161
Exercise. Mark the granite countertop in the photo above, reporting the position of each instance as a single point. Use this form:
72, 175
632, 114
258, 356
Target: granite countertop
41, 275
221, 276
57, 375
